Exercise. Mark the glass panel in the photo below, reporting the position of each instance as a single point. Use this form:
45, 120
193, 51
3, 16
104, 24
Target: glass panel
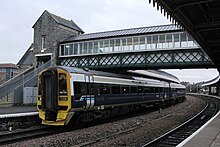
117, 45
71, 49
75, 49
116, 89
161, 43
176, 40
124, 47
104, 89
81, 48
66, 50
77, 90
136, 43
190, 41
146, 90
90, 47
148, 42
129, 44
169, 42
62, 50
125, 89
101, 46
106, 45
96, 47
155, 41
140, 90
142, 43
62, 84
134, 89
183, 40
85, 48
111, 48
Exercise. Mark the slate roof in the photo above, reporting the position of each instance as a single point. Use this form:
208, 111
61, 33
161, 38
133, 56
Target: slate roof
65, 22
27, 58
62, 21
124, 32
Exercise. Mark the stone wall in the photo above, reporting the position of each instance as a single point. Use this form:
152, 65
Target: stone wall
54, 33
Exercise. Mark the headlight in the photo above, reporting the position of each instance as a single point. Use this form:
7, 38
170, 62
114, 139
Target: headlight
63, 98
39, 98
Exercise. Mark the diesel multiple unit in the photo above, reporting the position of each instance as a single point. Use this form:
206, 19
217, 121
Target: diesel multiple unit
64, 92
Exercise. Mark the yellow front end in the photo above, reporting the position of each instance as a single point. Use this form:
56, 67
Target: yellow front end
64, 101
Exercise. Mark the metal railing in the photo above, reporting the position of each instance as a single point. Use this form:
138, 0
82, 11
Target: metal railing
12, 90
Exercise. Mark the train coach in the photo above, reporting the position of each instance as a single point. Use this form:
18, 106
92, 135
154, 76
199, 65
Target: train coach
64, 92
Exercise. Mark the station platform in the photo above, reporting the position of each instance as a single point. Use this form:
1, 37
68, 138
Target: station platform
17, 109
207, 136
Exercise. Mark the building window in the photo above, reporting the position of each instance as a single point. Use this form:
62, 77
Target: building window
176, 40
136, 43
44, 42
75, 49
183, 39
142, 43
161, 41
62, 50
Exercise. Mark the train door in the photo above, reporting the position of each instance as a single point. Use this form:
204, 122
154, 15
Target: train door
89, 86
90, 97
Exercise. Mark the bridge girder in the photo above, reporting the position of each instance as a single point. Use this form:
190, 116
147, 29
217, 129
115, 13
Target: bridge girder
164, 59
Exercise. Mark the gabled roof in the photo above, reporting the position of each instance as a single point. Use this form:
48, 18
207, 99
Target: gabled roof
62, 21
27, 58
124, 32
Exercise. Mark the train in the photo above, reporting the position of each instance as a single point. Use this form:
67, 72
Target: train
67, 92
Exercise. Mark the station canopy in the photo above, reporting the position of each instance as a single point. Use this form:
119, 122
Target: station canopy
201, 18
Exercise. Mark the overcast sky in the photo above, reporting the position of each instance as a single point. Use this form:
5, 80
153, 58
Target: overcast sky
18, 17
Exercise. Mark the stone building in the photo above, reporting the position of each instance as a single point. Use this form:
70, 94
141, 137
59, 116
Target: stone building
49, 30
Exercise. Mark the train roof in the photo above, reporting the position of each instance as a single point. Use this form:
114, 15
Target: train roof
149, 74
156, 74
92, 72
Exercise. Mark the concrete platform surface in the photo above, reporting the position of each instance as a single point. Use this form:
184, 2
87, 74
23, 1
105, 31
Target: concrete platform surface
207, 136
17, 109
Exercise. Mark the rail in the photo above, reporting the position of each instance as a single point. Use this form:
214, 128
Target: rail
180, 133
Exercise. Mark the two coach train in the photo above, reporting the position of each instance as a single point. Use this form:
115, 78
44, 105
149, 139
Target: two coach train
64, 92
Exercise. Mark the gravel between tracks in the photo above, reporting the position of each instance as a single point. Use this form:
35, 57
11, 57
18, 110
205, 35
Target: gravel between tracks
135, 131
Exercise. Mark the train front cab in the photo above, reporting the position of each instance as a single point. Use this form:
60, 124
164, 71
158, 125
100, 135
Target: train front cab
54, 97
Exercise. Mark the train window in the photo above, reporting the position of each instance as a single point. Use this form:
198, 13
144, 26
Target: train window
91, 88
125, 89
104, 89
140, 89
162, 89
77, 90
84, 89
151, 89
146, 89
62, 84
115, 89
157, 90
134, 89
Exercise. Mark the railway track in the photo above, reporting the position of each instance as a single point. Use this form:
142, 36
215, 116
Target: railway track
13, 136
10, 137
180, 133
